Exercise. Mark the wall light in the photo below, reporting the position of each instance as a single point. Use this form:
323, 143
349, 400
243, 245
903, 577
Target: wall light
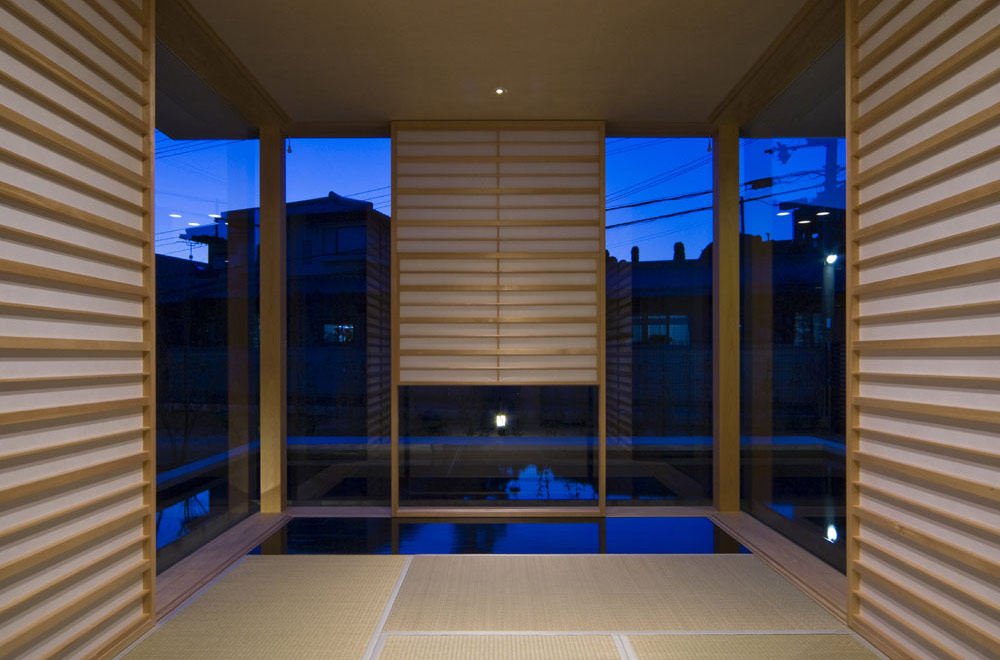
831, 534
805, 221
831, 259
501, 421
785, 213
176, 215
194, 224
500, 91
823, 213
214, 215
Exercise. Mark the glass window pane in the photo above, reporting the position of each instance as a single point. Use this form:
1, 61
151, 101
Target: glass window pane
338, 321
659, 321
516, 445
207, 280
793, 350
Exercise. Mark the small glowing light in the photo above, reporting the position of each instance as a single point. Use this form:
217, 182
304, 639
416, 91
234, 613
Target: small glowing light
831, 534
500, 90
214, 215
831, 259
501, 421
176, 215
805, 221
194, 224
823, 213
785, 213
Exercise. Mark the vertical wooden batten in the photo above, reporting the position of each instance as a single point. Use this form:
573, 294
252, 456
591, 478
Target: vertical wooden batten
273, 345
726, 319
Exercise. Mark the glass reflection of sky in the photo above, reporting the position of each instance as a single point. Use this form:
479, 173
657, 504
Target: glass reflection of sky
631, 535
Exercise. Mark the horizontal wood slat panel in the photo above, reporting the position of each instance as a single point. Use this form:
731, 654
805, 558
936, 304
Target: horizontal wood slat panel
46, 242
83, 315
53, 37
987, 269
79, 479
68, 81
34, 95
918, 54
71, 543
963, 201
483, 284
57, 142
923, 18
98, 38
937, 345
957, 451
30, 201
883, 20
948, 68
972, 236
984, 566
935, 513
962, 628
933, 477
926, 410
13, 271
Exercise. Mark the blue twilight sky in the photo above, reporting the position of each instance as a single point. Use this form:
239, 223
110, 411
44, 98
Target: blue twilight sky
196, 179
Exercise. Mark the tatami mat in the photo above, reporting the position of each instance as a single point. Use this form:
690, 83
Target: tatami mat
601, 593
500, 647
302, 607
749, 647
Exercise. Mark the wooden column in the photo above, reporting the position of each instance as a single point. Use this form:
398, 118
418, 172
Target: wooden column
726, 320
273, 484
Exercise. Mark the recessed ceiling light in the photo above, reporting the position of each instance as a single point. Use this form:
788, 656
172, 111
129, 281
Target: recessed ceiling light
785, 213
831, 259
823, 213
216, 215
176, 215
500, 91
194, 224
804, 222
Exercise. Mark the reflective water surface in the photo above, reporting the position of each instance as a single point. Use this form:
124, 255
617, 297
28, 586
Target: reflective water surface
383, 536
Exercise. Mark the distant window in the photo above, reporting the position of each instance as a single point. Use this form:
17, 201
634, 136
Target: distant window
637, 328
350, 239
680, 330
338, 333
656, 328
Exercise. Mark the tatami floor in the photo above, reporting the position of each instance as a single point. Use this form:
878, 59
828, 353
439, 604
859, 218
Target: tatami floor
534, 607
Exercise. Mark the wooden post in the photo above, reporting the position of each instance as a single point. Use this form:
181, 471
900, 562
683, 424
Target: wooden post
726, 320
273, 486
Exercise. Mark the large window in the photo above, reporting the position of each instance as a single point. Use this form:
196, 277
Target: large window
659, 321
517, 445
338, 272
793, 359
206, 340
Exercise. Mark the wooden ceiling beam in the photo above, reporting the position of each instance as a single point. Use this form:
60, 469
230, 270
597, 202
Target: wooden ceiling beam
810, 33
182, 30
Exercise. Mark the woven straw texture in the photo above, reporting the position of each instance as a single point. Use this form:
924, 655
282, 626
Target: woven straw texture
302, 607
749, 647
601, 593
497, 647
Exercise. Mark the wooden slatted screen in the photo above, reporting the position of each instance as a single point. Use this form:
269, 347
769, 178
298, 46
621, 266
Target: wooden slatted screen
76, 314
924, 296
498, 245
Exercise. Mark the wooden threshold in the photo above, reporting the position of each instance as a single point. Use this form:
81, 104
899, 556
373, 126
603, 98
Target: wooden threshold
182, 580
823, 583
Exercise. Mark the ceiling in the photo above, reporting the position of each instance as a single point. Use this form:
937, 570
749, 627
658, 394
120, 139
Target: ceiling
625, 61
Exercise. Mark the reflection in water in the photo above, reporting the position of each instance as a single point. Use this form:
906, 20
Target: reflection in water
626, 535
176, 520
530, 484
